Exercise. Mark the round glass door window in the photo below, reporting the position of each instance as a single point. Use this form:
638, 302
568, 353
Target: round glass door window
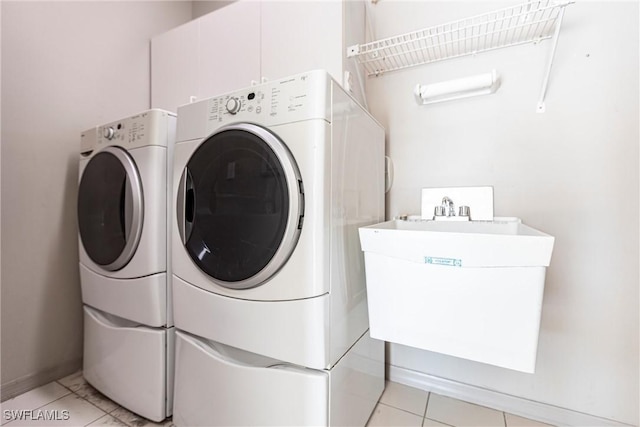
240, 206
110, 208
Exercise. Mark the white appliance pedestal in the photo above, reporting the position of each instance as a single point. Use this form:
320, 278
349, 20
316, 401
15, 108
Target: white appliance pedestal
221, 385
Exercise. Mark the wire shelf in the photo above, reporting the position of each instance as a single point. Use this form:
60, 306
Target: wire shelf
529, 22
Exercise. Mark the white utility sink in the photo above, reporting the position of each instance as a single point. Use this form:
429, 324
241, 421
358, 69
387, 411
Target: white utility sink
470, 289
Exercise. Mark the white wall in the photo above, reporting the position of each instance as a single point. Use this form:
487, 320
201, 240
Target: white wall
571, 172
66, 66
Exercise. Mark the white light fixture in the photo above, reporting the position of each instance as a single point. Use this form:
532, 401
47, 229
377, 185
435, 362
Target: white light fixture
482, 84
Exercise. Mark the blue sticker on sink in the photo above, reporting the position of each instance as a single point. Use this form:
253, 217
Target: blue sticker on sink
451, 262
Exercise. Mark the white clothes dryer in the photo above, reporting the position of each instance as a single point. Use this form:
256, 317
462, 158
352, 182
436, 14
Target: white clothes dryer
270, 186
123, 246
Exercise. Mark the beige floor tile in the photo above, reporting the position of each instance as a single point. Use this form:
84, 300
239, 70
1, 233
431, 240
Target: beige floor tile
133, 420
74, 381
71, 410
108, 420
86, 391
77, 384
400, 405
404, 397
516, 421
386, 416
32, 399
461, 414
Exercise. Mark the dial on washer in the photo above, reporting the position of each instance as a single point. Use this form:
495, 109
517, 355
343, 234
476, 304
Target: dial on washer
108, 133
233, 105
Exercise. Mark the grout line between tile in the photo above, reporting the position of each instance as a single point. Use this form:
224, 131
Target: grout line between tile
121, 420
444, 424
94, 420
102, 410
504, 417
136, 415
91, 403
424, 415
105, 412
399, 409
62, 385
54, 400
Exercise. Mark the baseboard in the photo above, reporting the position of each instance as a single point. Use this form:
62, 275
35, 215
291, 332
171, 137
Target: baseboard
504, 402
28, 382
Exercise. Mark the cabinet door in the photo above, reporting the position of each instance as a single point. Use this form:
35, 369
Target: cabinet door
174, 67
301, 36
229, 48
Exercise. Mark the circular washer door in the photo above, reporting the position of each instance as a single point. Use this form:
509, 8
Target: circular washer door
110, 208
240, 206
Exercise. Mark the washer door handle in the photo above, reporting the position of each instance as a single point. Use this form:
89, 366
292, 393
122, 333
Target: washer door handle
186, 206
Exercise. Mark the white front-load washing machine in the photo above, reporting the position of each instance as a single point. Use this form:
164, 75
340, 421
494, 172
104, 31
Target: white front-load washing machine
270, 186
124, 267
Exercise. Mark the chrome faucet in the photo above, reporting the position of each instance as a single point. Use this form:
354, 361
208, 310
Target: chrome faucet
448, 207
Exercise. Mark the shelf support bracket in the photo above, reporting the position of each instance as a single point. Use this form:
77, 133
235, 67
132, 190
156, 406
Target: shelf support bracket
545, 83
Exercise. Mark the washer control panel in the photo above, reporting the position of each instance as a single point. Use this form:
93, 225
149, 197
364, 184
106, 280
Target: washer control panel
146, 128
128, 132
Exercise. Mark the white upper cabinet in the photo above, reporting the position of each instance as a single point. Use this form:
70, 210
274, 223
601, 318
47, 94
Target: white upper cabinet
229, 48
299, 36
174, 67
248, 41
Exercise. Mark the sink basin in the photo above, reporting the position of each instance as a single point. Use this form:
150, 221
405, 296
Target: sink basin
503, 242
472, 290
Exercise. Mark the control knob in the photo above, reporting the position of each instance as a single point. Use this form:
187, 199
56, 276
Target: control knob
108, 132
233, 105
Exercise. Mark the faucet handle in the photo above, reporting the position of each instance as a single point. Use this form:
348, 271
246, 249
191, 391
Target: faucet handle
463, 211
439, 211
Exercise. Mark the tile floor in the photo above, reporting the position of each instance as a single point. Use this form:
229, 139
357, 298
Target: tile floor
399, 405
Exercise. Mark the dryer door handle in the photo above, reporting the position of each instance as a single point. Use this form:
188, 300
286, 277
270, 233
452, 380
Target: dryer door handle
185, 206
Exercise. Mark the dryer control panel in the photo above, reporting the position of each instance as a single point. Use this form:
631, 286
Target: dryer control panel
143, 129
301, 97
